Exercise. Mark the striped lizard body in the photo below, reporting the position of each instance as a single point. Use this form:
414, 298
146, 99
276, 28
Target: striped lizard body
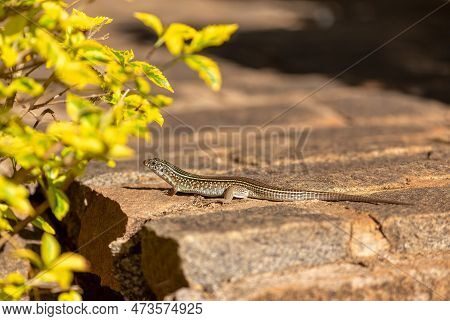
226, 188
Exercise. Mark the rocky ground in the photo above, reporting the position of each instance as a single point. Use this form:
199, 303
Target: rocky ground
381, 129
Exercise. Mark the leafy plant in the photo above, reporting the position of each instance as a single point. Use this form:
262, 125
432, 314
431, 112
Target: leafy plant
109, 98
54, 272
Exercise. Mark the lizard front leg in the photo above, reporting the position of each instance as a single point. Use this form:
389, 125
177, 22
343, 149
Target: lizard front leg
172, 191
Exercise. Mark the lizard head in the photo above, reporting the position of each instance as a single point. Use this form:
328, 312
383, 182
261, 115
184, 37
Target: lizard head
160, 167
155, 164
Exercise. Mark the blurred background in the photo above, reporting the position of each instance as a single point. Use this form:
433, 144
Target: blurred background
311, 37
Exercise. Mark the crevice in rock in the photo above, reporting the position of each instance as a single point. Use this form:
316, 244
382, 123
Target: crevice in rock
128, 271
379, 228
164, 274
94, 291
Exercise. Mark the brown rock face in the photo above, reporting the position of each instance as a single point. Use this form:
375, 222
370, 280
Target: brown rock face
205, 250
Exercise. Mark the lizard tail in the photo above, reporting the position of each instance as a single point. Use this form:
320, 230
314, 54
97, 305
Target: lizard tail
329, 196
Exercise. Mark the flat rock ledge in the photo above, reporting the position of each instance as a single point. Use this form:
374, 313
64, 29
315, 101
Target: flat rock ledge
145, 244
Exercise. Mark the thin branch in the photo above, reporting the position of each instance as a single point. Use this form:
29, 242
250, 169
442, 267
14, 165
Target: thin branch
47, 102
21, 225
45, 86
33, 69
41, 116
151, 52
72, 4
65, 100
33, 65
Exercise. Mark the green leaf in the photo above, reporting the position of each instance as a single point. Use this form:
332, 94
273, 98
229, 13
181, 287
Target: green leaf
15, 278
14, 25
161, 100
123, 56
26, 85
151, 21
81, 21
175, 37
50, 249
213, 35
70, 296
9, 55
94, 52
142, 85
53, 13
59, 203
41, 224
78, 107
154, 74
84, 138
62, 277
207, 70
49, 48
15, 196
120, 151
77, 74
72, 262
31, 256
4, 225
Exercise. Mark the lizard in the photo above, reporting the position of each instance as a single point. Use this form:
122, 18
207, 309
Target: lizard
226, 188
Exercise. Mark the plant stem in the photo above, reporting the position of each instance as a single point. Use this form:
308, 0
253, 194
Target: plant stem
21, 225
36, 106
171, 63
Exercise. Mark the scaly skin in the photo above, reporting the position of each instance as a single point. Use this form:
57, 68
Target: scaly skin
227, 188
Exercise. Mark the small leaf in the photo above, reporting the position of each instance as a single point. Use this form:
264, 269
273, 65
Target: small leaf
94, 52
120, 151
41, 224
154, 74
14, 25
142, 85
161, 100
31, 256
207, 70
59, 203
78, 107
61, 277
26, 85
4, 225
123, 56
81, 21
50, 249
12, 292
213, 35
151, 21
111, 163
72, 262
175, 37
95, 56
15, 278
77, 74
16, 196
49, 48
70, 296
53, 13
9, 55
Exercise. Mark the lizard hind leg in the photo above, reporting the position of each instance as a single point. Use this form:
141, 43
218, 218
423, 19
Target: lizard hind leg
231, 192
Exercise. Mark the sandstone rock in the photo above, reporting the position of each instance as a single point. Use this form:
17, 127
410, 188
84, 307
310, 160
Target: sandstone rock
203, 251
411, 278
